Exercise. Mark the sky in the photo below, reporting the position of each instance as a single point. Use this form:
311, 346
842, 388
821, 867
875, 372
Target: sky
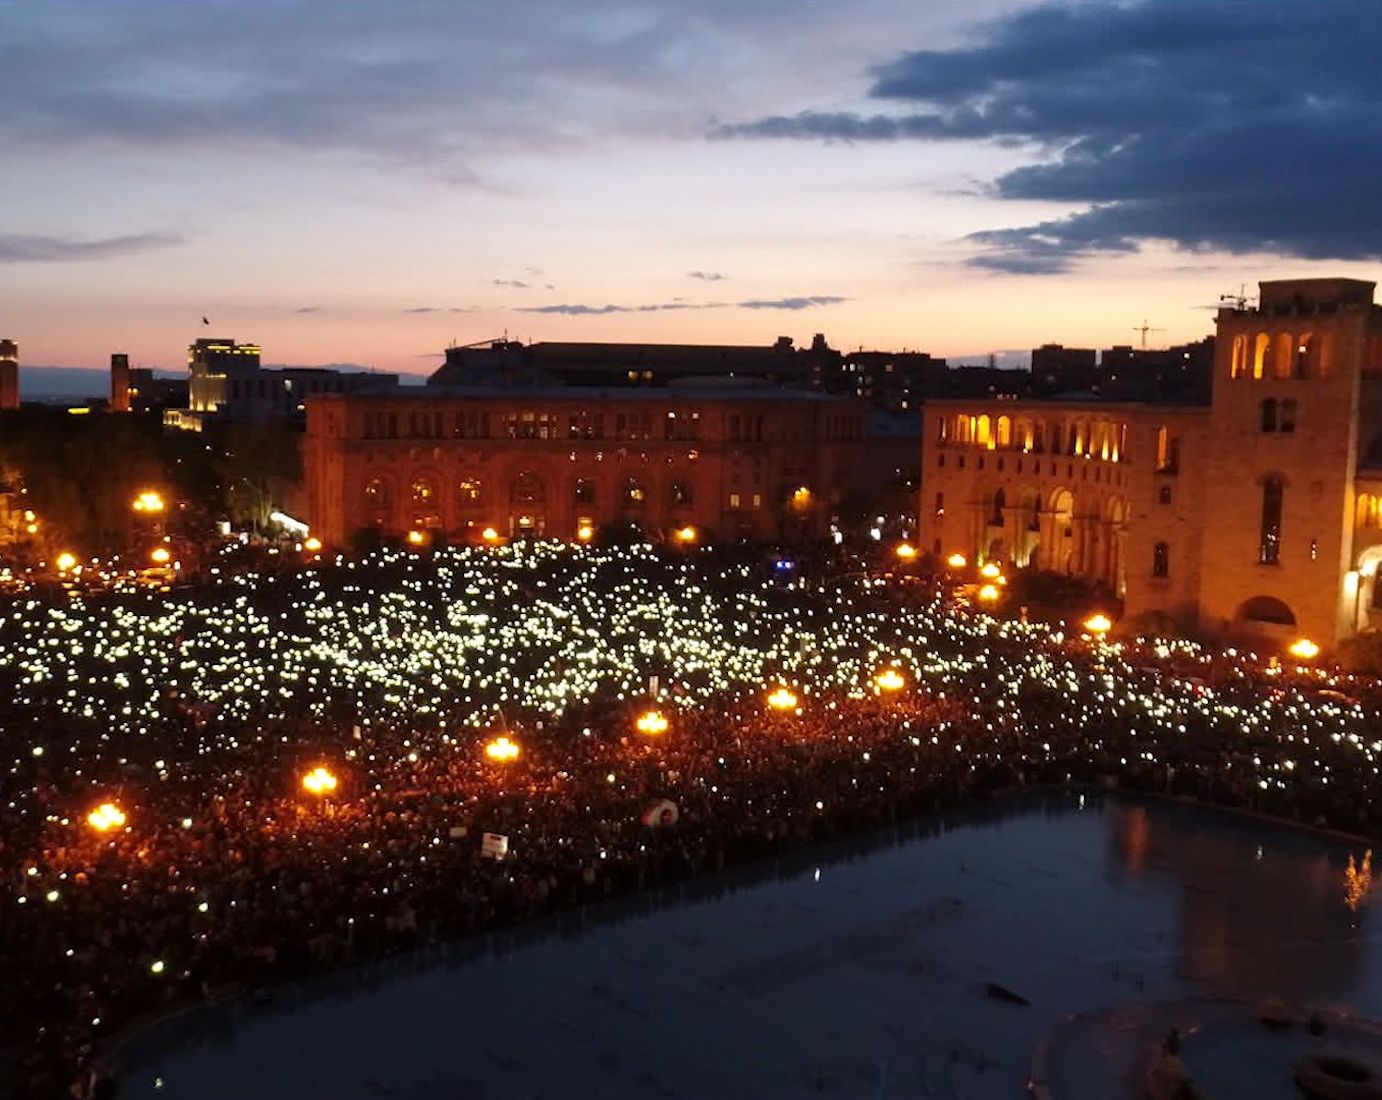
370, 182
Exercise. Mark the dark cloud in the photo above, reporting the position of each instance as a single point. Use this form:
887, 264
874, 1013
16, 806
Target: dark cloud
708, 276
425, 309
793, 303
516, 284
1210, 124
577, 310
18, 248
309, 309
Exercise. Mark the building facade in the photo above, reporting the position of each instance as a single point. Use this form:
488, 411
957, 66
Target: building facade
119, 382
727, 462
1258, 513
227, 383
9, 375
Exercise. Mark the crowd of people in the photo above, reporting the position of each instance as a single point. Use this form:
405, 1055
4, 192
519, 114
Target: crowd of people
195, 715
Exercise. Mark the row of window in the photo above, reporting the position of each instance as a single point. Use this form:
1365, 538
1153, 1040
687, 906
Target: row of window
1283, 356
1114, 477
1278, 416
1104, 439
531, 424
524, 488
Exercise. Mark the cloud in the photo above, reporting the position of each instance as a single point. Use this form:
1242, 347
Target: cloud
18, 248
793, 303
516, 284
708, 276
425, 309
309, 309
579, 310
1167, 120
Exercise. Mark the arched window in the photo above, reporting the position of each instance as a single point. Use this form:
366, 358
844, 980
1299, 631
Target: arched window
583, 491
1284, 359
634, 492
1161, 560
1268, 408
468, 492
1000, 502
943, 429
1063, 511
1288, 415
377, 495
1163, 495
1365, 511
940, 504
681, 492
1238, 367
1163, 448
983, 432
1269, 546
1005, 432
526, 488
1303, 356
1259, 354
1055, 439
424, 490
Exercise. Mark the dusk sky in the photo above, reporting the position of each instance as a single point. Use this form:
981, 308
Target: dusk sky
369, 182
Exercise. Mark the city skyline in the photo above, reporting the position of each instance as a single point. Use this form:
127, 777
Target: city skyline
370, 184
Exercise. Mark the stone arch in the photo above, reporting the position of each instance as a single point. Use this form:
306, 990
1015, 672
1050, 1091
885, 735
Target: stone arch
681, 493
378, 494
1283, 355
1370, 594
1238, 364
584, 491
1260, 346
525, 487
1265, 611
424, 490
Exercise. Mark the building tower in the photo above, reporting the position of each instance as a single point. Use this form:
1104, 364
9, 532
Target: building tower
9, 375
1297, 405
119, 383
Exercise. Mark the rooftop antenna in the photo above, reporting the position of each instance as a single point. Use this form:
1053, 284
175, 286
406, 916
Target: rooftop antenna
1145, 328
1238, 301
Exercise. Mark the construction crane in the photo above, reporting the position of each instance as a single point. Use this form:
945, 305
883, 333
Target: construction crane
1145, 328
1237, 301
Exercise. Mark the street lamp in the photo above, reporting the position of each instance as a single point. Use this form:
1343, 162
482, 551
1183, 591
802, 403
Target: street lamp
1098, 624
149, 502
957, 561
783, 699
905, 551
105, 817
890, 680
1304, 649
651, 722
319, 781
502, 750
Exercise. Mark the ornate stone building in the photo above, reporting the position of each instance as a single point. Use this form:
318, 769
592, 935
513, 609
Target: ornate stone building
729, 462
1259, 513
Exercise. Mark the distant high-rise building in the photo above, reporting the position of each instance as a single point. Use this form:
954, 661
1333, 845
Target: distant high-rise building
119, 383
9, 374
214, 367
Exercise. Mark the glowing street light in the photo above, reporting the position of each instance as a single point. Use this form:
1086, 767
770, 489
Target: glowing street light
502, 750
783, 699
105, 817
905, 551
159, 555
1304, 649
991, 571
585, 532
66, 561
148, 502
957, 561
1099, 624
489, 534
989, 593
416, 537
319, 781
686, 535
312, 545
890, 680
651, 722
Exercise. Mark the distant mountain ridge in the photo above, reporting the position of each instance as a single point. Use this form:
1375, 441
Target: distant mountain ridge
37, 383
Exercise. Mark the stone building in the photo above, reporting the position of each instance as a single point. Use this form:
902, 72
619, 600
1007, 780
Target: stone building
730, 462
9, 375
1259, 513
